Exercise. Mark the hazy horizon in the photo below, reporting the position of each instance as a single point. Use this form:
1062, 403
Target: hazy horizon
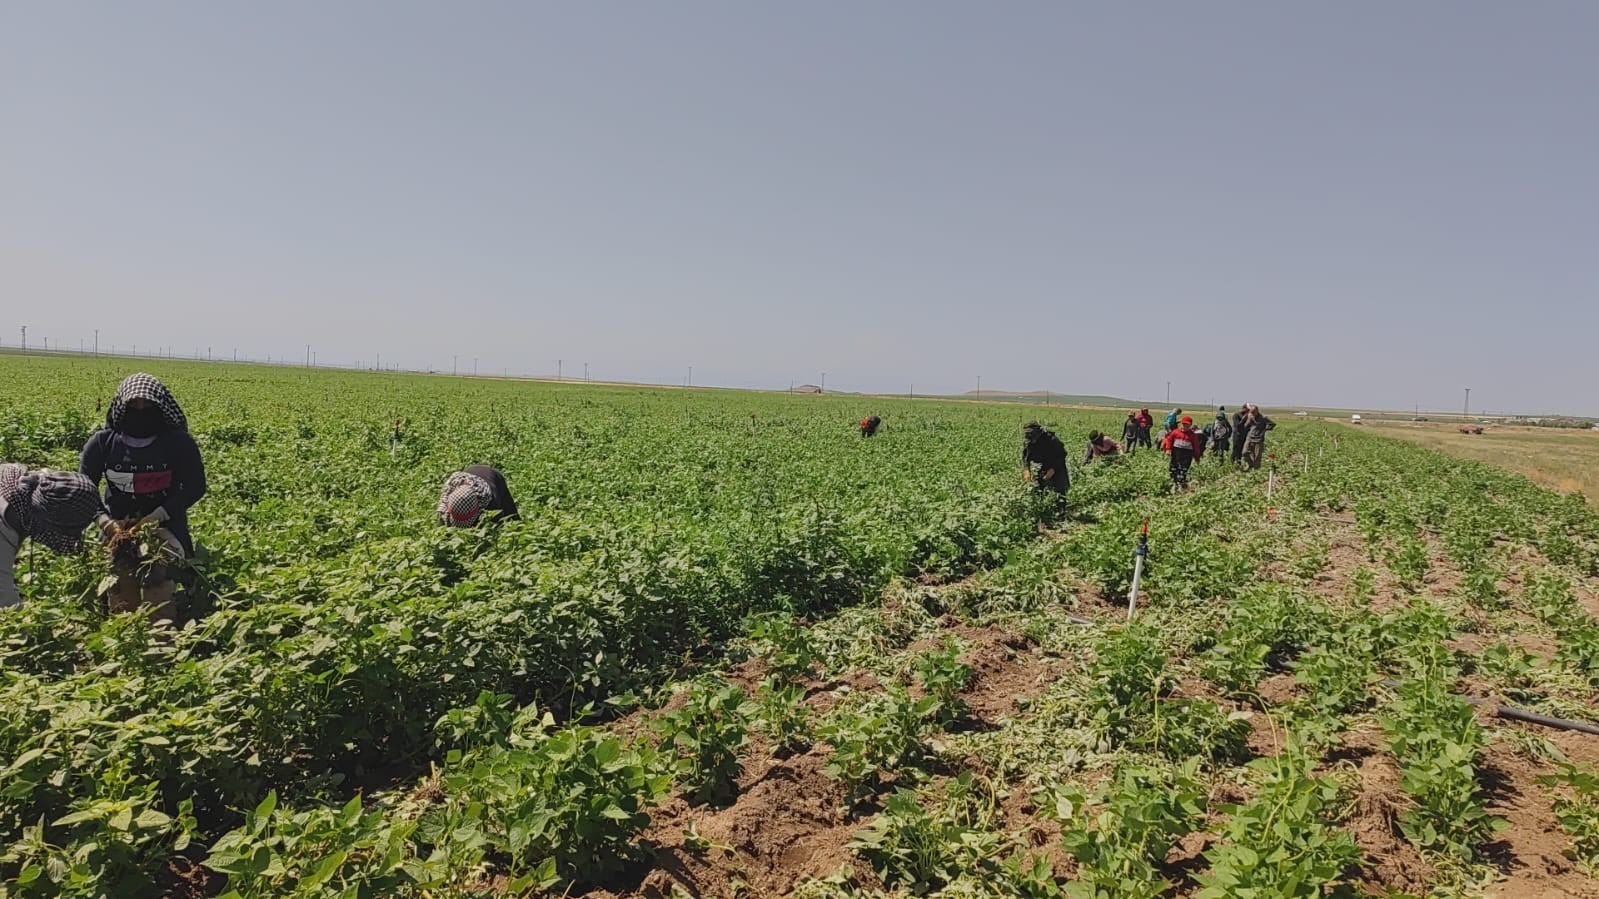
1367, 206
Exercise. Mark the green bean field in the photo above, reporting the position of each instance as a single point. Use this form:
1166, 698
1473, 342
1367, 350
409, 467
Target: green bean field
734, 649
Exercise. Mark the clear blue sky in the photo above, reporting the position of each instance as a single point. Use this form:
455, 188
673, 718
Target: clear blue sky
1342, 203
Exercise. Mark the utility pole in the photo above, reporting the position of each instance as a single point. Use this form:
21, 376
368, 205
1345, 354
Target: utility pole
24, 338
1168, 393
691, 376
455, 363
585, 371
979, 386
97, 341
47, 344
1468, 402
474, 366
308, 355
558, 364
822, 387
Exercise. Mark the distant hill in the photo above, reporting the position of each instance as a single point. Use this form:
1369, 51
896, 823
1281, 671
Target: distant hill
1042, 396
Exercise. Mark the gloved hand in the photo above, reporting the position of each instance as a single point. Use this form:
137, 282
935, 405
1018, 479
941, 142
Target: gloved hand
108, 526
154, 519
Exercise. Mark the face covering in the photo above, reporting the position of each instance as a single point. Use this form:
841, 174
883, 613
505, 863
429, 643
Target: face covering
145, 422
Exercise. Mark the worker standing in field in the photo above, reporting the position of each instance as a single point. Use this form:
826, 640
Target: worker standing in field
1172, 418
1130, 432
48, 507
1101, 447
869, 425
1238, 433
1042, 448
1146, 423
470, 492
153, 474
1218, 435
1256, 424
1184, 444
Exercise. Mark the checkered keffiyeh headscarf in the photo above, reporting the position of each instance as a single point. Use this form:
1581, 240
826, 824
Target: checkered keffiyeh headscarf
141, 386
463, 500
52, 507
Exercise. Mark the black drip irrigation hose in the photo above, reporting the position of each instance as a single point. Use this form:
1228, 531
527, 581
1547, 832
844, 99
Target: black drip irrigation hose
1515, 714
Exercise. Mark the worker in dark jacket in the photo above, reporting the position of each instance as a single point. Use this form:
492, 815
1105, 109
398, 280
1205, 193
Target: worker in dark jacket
153, 475
1146, 423
1042, 448
1238, 433
1130, 432
1256, 424
1218, 435
1101, 447
472, 491
1185, 445
869, 425
48, 507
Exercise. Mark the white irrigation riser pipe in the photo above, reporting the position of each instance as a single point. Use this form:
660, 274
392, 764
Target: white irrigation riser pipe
1138, 568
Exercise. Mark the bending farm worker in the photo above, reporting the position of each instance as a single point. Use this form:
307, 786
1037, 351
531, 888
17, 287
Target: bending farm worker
471, 492
48, 507
153, 474
1172, 418
1185, 445
869, 425
1101, 447
1042, 448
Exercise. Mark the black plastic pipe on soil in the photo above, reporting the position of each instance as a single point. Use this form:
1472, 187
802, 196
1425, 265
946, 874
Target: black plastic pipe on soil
1515, 714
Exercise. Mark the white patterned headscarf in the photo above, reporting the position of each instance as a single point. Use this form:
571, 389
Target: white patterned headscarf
141, 386
51, 507
463, 500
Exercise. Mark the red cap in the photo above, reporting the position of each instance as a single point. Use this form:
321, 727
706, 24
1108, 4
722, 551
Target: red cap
1188, 420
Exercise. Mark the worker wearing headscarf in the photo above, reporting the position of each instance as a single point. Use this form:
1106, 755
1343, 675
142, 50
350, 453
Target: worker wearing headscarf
149, 461
48, 507
471, 492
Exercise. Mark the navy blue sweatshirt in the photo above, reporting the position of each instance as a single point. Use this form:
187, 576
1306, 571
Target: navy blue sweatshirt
168, 473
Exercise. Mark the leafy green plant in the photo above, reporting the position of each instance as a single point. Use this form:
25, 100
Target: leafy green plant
943, 676
1124, 828
706, 735
1436, 739
1578, 813
1283, 842
784, 717
879, 735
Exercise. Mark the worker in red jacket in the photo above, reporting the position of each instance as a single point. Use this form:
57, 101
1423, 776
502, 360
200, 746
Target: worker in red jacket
1145, 423
1184, 445
869, 425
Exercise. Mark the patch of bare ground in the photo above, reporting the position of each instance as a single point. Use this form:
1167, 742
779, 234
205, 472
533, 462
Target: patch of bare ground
1391, 862
1530, 853
784, 826
784, 823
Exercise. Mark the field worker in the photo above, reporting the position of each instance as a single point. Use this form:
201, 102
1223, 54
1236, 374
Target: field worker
1042, 448
1238, 432
1130, 432
47, 507
1171, 420
1146, 423
1218, 433
1101, 447
1185, 445
471, 492
1256, 424
153, 475
869, 425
